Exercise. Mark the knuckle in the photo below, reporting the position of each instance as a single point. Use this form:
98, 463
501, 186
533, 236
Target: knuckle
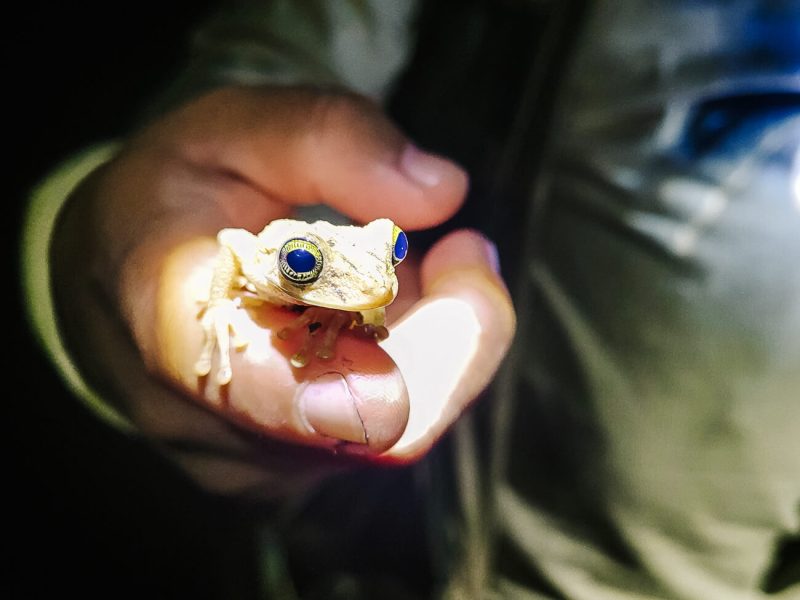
336, 112
339, 107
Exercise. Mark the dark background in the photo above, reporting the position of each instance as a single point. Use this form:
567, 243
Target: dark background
89, 511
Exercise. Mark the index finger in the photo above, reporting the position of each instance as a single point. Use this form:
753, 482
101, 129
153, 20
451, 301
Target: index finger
302, 146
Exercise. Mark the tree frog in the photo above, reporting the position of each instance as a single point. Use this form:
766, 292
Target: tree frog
336, 275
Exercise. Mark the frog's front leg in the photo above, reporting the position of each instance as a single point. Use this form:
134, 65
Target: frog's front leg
327, 323
217, 317
316, 322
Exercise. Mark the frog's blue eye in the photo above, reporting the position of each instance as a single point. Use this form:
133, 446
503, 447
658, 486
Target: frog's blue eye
300, 261
399, 245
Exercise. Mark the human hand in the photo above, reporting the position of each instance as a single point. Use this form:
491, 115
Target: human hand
137, 242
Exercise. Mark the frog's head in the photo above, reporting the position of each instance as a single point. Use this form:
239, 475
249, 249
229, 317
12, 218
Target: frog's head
341, 267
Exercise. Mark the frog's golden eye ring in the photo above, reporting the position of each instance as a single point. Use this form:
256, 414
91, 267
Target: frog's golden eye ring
300, 261
399, 245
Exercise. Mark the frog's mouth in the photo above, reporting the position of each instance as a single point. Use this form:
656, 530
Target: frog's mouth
353, 301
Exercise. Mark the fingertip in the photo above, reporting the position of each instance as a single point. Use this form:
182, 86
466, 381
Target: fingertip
465, 264
355, 159
461, 249
451, 343
442, 183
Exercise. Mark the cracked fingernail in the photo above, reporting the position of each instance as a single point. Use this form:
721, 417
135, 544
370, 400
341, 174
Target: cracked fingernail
328, 408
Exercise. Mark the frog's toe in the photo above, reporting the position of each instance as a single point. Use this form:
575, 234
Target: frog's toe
325, 353
224, 375
217, 327
380, 332
238, 341
202, 367
299, 359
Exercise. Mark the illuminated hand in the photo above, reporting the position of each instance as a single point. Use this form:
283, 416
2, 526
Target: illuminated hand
142, 229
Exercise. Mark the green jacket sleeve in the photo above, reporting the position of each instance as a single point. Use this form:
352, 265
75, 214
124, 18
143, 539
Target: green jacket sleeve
45, 206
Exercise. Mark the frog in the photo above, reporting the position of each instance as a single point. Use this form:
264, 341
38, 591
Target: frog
336, 277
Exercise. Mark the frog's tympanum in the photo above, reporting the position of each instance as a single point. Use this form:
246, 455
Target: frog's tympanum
336, 275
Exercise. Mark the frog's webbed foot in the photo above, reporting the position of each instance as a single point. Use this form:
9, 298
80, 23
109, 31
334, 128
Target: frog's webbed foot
322, 327
376, 331
217, 323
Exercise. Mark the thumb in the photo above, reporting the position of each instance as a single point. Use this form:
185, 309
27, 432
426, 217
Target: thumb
356, 402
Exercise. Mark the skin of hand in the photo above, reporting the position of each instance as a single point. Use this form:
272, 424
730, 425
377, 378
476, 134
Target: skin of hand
133, 254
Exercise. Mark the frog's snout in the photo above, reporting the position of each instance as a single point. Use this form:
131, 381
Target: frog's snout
383, 295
